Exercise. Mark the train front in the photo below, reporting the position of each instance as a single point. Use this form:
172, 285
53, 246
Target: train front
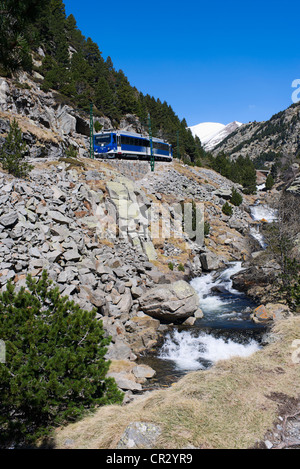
105, 145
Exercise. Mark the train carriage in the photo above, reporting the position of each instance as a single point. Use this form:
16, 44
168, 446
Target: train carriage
121, 144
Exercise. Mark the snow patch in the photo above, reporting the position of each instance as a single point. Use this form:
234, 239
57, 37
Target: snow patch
212, 133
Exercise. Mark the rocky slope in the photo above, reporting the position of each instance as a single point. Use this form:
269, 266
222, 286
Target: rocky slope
110, 233
80, 224
280, 134
110, 236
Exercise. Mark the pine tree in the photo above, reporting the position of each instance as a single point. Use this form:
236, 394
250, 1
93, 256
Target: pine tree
269, 182
104, 98
13, 151
236, 198
227, 209
16, 32
55, 367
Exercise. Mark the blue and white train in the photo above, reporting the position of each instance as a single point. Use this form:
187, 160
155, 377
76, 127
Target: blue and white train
121, 144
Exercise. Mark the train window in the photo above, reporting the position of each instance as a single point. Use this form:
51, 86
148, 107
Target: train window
161, 146
142, 142
102, 139
124, 140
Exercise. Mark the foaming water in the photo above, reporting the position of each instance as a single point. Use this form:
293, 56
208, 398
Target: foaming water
255, 232
219, 301
225, 330
195, 352
263, 212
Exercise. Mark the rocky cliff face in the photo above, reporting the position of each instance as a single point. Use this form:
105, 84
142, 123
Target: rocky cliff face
49, 124
280, 134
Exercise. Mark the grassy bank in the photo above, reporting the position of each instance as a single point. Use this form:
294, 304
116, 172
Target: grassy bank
232, 405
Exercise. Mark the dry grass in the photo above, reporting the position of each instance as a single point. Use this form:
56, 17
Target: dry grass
228, 406
27, 125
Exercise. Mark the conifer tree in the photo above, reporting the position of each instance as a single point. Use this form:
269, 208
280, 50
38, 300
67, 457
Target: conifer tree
55, 367
269, 182
236, 198
16, 32
13, 151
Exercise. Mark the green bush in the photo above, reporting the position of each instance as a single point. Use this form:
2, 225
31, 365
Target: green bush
171, 266
97, 126
227, 209
236, 198
55, 367
71, 152
291, 283
269, 182
206, 228
181, 267
13, 151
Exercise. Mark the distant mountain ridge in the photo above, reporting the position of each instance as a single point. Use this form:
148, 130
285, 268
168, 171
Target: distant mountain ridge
280, 135
213, 133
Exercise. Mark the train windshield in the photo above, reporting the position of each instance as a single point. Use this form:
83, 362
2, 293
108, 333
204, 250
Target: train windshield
102, 140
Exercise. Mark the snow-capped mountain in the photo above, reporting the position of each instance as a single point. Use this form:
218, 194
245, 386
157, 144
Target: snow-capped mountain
212, 133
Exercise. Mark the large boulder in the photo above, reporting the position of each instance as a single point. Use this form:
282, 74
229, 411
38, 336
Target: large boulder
139, 435
4, 94
170, 302
210, 261
270, 311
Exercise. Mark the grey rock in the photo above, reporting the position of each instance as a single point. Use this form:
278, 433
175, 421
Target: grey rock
139, 435
143, 371
34, 252
210, 261
124, 383
170, 302
137, 292
59, 217
9, 220
92, 175
71, 255
53, 256
125, 303
118, 351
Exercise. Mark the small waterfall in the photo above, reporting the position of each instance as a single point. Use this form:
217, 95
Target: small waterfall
224, 331
218, 299
256, 234
261, 213
261, 187
195, 352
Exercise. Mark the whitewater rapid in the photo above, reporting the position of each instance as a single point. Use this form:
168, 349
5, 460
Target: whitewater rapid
223, 307
197, 352
261, 212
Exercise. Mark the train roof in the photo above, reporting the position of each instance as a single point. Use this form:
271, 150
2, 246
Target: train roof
129, 134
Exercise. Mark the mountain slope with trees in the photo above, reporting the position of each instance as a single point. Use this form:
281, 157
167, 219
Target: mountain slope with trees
274, 141
39, 36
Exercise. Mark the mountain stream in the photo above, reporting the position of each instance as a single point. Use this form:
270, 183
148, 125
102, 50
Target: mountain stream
225, 330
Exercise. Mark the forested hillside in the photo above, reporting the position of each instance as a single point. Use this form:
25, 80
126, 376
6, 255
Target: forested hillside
274, 141
38, 36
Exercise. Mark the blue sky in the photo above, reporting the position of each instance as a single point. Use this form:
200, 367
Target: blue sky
211, 61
